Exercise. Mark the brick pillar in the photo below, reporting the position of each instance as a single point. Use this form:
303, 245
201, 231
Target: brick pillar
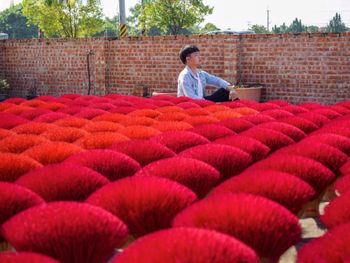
100, 67
231, 59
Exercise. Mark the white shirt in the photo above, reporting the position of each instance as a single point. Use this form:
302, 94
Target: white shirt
199, 87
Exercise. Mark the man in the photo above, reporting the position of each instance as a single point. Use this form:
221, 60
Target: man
192, 80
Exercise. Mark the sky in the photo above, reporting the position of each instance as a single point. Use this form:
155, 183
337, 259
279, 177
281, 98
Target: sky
238, 15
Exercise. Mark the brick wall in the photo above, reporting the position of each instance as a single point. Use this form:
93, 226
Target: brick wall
53, 66
295, 68
299, 67
57, 66
154, 62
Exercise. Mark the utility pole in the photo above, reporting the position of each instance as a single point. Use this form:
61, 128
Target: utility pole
122, 19
268, 19
249, 23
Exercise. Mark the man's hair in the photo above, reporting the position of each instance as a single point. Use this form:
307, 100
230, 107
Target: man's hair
186, 51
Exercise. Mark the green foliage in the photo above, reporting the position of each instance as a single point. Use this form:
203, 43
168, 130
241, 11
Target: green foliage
110, 27
69, 18
208, 27
312, 29
136, 22
168, 16
15, 25
336, 24
282, 29
297, 26
4, 86
136, 25
198, 30
259, 29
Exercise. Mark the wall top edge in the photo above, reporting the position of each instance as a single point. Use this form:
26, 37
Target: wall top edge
180, 37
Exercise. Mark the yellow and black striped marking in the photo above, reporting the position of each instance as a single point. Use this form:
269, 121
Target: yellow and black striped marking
123, 30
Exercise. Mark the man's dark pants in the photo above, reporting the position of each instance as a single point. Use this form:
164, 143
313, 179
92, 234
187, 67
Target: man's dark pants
220, 95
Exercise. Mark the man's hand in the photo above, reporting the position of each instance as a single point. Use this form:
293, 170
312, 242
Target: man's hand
233, 92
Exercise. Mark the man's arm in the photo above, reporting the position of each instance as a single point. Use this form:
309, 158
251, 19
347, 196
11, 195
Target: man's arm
216, 81
185, 84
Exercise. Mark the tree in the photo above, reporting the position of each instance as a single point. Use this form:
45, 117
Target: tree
198, 30
336, 24
312, 29
172, 16
136, 21
68, 18
259, 29
134, 24
297, 27
13, 23
282, 29
208, 27
111, 27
